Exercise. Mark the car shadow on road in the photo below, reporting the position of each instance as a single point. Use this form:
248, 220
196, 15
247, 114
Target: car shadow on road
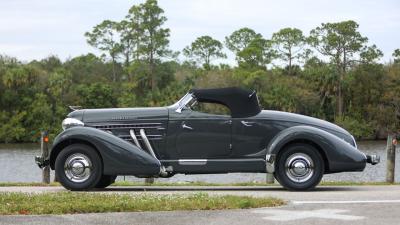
216, 188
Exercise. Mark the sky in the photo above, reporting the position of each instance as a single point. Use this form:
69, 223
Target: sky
35, 29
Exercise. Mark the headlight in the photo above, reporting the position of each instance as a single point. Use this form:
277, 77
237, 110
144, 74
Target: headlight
71, 122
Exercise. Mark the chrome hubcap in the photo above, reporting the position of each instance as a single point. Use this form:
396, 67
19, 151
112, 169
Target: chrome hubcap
78, 167
299, 167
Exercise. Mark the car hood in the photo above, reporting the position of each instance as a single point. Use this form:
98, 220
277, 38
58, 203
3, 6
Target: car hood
301, 120
119, 114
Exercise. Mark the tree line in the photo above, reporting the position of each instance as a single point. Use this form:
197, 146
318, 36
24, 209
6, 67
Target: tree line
332, 72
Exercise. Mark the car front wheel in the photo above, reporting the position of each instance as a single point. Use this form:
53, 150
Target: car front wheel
78, 167
299, 167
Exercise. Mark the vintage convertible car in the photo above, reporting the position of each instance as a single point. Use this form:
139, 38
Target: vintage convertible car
207, 131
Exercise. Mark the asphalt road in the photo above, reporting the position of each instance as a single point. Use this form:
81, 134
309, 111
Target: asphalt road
325, 205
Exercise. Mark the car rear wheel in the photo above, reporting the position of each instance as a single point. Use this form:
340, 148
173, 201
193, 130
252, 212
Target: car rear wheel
78, 167
299, 167
105, 181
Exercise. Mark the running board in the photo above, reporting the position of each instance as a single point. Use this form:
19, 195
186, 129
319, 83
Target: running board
216, 165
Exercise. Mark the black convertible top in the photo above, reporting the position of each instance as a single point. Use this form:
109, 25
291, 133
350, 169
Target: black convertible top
242, 103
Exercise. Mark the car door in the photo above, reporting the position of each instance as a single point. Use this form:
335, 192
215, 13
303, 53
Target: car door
250, 136
203, 134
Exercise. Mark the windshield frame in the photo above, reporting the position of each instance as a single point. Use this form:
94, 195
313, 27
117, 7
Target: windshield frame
184, 101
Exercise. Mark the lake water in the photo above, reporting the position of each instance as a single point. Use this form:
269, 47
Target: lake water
17, 165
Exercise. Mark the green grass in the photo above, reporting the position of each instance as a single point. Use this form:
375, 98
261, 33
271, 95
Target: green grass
81, 202
28, 184
197, 183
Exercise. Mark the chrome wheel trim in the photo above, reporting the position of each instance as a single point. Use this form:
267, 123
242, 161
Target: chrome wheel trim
299, 167
78, 168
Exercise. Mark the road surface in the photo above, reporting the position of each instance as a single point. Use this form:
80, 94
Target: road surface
325, 205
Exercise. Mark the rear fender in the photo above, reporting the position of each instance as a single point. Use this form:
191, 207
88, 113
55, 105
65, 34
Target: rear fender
119, 156
341, 156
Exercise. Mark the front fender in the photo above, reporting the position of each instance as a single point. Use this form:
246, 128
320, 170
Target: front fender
341, 156
119, 156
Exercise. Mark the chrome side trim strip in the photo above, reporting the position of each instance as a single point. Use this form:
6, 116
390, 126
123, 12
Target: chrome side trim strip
193, 162
133, 135
115, 126
124, 124
140, 139
138, 135
128, 138
130, 127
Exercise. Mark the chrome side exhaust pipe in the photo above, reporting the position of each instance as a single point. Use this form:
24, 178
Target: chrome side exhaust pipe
133, 136
147, 143
163, 172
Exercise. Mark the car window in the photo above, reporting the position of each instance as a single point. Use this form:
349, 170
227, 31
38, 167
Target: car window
211, 108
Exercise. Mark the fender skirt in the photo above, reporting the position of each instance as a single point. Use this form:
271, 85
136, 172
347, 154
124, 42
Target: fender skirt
119, 157
340, 155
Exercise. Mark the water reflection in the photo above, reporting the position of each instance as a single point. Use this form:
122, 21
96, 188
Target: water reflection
17, 165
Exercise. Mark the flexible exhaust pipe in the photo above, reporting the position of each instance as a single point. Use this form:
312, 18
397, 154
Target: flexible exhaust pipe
133, 135
146, 141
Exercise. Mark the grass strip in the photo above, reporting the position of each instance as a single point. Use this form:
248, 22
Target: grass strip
82, 202
28, 184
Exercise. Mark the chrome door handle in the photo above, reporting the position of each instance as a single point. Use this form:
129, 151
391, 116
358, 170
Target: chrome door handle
227, 122
247, 123
184, 126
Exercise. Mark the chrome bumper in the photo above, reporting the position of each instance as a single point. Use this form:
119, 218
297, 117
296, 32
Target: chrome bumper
270, 163
41, 162
373, 159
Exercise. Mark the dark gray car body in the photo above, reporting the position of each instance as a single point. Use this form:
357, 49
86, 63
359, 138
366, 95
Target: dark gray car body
213, 144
